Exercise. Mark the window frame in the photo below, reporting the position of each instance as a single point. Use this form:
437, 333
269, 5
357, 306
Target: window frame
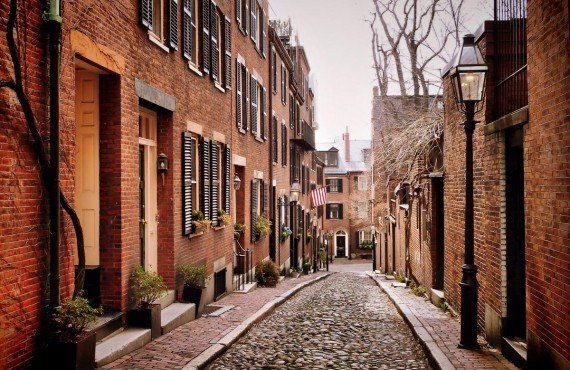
158, 36
195, 174
337, 206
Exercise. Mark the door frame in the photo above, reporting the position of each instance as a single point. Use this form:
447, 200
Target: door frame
336, 235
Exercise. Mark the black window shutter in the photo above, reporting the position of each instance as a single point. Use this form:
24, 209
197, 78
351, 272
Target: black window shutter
206, 178
253, 104
238, 12
239, 94
252, 17
275, 139
263, 33
340, 211
328, 211
283, 144
214, 181
173, 24
264, 110
245, 17
146, 14
214, 42
206, 36
247, 105
187, 164
187, 47
227, 182
339, 185
253, 208
265, 199
357, 238
228, 53
328, 185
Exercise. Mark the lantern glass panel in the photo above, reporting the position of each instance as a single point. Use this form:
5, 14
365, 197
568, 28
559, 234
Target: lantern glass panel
472, 84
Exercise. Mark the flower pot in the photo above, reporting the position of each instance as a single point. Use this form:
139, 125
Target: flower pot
148, 317
72, 355
192, 294
306, 269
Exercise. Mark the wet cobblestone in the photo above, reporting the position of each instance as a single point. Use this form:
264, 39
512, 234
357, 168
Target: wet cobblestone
343, 322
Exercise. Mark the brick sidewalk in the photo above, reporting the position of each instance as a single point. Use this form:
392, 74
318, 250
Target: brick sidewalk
176, 349
440, 333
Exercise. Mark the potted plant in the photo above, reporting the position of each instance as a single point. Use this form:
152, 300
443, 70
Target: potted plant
306, 266
261, 228
146, 287
309, 237
199, 221
267, 273
294, 273
285, 232
366, 245
239, 229
298, 236
194, 279
224, 218
73, 347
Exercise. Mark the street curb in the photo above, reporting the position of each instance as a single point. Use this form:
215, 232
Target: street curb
218, 348
436, 356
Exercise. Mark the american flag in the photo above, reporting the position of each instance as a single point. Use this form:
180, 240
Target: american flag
319, 196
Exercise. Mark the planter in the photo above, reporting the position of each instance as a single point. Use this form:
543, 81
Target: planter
192, 294
146, 318
72, 355
306, 269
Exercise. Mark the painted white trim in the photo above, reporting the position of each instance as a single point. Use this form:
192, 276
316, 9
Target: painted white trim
345, 241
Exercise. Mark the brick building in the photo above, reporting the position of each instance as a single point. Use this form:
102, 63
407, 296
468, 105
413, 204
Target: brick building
520, 177
182, 83
348, 213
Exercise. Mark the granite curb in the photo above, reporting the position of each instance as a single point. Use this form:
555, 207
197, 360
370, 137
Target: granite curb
437, 357
219, 347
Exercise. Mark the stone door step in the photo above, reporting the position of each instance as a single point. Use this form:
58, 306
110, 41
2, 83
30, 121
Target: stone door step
166, 300
120, 344
247, 288
175, 315
106, 325
219, 311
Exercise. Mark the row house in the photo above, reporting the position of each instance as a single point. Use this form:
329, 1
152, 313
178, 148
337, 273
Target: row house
348, 217
520, 187
168, 112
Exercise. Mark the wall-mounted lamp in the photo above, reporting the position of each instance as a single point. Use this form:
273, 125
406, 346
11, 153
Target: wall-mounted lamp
295, 191
162, 165
237, 182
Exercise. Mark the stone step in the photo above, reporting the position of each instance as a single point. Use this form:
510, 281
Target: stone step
166, 300
246, 288
116, 346
106, 324
175, 315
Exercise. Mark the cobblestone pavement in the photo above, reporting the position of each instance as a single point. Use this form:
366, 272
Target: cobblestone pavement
343, 322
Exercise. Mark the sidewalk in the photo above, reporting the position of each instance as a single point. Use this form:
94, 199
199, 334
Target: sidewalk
196, 343
438, 332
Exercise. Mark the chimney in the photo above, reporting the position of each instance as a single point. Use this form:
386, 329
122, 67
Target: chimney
346, 139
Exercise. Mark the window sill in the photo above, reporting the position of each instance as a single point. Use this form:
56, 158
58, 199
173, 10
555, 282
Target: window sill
195, 69
217, 228
242, 131
258, 138
152, 37
219, 87
195, 235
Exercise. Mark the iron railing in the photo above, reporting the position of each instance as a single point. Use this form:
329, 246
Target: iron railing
306, 136
510, 58
243, 272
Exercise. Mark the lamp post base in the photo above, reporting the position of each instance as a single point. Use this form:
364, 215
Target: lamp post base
469, 307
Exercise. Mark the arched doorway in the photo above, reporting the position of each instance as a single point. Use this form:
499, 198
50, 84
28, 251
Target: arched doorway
341, 244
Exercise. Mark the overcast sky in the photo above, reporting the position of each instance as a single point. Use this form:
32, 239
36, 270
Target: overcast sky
337, 41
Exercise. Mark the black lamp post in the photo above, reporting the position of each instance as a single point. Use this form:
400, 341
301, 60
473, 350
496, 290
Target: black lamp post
468, 80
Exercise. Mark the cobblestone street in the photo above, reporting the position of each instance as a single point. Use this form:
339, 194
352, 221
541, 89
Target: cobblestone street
342, 322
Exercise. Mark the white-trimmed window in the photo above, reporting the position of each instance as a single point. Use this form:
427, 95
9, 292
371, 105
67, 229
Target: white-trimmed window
365, 236
158, 20
334, 211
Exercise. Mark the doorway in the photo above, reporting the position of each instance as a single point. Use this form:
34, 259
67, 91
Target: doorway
515, 233
341, 242
148, 208
437, 244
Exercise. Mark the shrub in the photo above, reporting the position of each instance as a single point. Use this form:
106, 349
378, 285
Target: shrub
418, 290
366, 245
195, 276
267, 273
146, 287
72, 318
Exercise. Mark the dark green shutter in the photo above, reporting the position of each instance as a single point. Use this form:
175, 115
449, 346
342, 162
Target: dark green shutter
340, 211
187, 29
339, 185
265, 199
214, 181
253, 104
173, 24
253, 207
214, 42
283, 144
187, 167
228, 53
206, 36
228, 181
239, 95
264, 110
238, 12
146, 13
206, 178
328, 211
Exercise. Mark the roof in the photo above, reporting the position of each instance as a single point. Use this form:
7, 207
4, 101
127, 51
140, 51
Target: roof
356, 163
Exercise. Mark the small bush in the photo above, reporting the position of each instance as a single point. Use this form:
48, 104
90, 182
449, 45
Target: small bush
146, 287
72, 318
267, 273
418, 290
195, 276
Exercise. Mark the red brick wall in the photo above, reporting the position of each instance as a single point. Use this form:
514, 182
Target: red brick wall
547, 173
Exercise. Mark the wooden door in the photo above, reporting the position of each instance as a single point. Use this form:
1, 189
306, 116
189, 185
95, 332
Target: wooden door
87, 200
148, 173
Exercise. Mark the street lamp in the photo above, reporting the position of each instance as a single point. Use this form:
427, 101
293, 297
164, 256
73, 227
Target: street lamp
468, 80
295, 191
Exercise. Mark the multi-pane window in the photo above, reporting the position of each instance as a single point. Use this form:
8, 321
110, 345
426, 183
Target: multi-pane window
273, 70
331, 159
334, 211
334, 185
365, 236
157, 19
190, 11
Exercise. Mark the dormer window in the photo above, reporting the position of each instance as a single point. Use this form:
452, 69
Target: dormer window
331, 159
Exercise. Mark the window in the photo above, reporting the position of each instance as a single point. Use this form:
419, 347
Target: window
361, 183
366, 236
216, 183
254, 26
216, 40
283, 84
331, 159
334, 211
190, 180
242, 96
190, 31
283, 144
157, 19
273, 70
334, 185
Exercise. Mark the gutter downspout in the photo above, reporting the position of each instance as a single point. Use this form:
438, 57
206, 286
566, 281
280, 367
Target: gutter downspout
53, 19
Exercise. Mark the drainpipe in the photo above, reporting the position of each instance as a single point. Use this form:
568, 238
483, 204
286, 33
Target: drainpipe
269, 98
53, 19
